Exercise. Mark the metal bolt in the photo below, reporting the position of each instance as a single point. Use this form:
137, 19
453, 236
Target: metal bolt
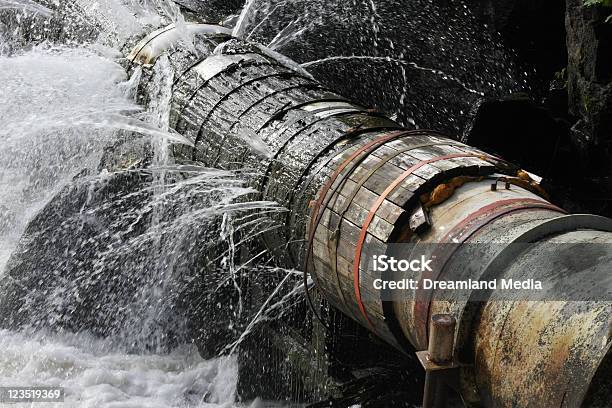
440, 351
442, 338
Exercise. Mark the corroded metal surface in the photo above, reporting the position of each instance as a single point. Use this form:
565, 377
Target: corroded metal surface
539, 354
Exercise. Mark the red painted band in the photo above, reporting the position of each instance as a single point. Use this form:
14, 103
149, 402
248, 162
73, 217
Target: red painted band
374, 143
316, 214
372, 213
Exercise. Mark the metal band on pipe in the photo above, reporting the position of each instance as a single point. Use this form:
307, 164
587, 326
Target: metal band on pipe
372, 214
317, 214
358, 187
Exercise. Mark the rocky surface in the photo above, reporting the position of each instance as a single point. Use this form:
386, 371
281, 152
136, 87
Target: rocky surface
63, 21
589, 42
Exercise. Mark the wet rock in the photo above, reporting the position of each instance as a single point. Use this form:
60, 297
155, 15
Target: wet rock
280, 362
589, 43
46, 20
58, 249
120, 255
524, 132
297, 359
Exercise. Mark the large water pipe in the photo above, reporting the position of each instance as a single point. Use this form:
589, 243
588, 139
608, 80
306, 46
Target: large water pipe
354, 183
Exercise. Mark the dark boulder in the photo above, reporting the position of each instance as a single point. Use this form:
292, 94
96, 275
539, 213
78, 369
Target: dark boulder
589, 43
533, 29
53, 21
134, 253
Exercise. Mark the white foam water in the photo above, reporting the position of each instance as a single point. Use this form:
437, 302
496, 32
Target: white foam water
94, 375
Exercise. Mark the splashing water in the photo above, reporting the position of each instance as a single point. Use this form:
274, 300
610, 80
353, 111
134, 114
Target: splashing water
396, 61
435, 72
105, 241
59, 106
116, 258
373, 19
245, 19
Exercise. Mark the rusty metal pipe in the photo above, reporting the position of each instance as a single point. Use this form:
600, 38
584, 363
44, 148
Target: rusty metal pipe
354, 184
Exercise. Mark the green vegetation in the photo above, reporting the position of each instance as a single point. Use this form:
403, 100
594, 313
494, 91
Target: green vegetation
605, 3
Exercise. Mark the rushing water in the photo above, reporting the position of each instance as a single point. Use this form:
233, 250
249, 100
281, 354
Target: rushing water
59, 107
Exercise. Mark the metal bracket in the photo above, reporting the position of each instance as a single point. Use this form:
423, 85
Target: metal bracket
430, 365
420, 221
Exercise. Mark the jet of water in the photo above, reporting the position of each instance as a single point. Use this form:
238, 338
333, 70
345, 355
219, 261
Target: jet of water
396, 61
